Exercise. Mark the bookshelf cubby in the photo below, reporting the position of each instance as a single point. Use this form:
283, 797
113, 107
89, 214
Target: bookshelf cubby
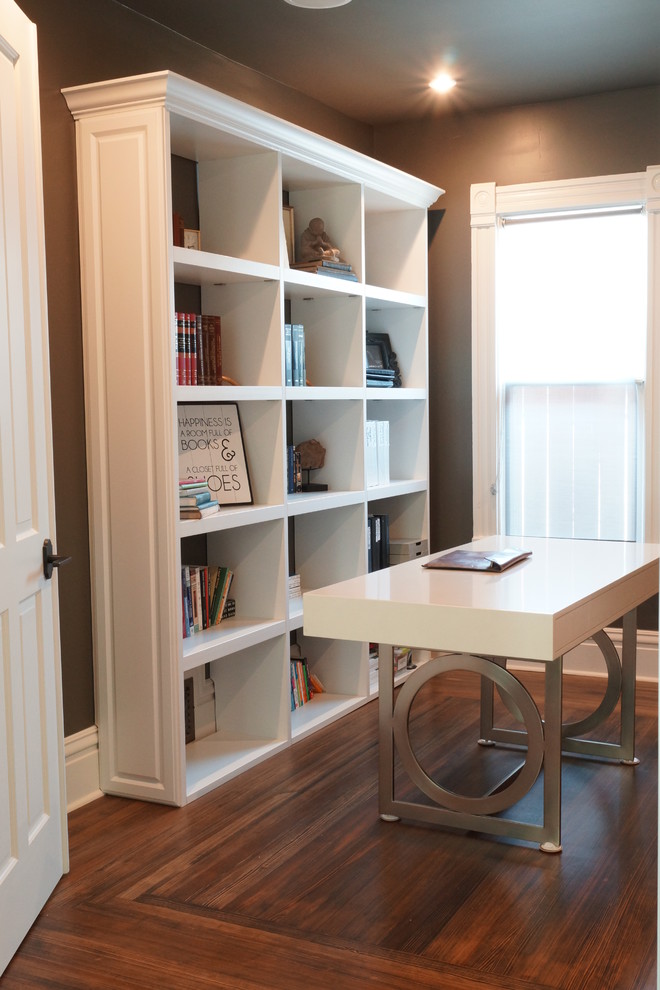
149, 146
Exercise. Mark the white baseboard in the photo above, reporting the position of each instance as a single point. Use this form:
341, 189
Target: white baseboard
81, 763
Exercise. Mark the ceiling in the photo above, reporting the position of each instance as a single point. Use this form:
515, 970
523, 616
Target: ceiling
373, 59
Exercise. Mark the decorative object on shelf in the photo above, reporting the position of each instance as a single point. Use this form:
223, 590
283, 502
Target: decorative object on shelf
382, 366
191, 239
289, 236
315, 243
312, 457
318, 254
211, 447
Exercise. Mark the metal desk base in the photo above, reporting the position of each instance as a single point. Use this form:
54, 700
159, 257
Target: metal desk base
543, 740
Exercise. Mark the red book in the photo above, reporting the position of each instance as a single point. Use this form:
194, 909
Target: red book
180, 350
218, 350
192, 323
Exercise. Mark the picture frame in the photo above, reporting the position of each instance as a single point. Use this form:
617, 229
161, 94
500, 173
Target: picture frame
289, 233
191, 239
381, 361
211, 447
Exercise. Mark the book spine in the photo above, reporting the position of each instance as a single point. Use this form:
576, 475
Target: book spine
209, 350
298, 354
217, 327
200, 362
288, 355
193, 348
180, 350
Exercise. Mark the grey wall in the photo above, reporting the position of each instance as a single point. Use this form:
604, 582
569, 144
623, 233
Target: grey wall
83, 41
596, 135
86, 40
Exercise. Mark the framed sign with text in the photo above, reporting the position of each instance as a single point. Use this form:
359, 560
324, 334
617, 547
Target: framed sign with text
211, 448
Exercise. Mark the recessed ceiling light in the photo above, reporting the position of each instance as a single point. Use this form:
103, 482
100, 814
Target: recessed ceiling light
317, 4
442, 83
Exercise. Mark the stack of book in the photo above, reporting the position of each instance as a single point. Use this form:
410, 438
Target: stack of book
295, 590
198, 349
335, 269
304, 683
196, 500
294, 354
204, 593
382, 378
293, 470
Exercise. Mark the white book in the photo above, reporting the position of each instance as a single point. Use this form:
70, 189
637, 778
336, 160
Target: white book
371, 454
383, 451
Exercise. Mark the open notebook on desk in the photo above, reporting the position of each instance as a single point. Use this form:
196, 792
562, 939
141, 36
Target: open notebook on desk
478, 560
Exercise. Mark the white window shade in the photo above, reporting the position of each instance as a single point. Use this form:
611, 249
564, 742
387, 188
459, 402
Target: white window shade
571, 460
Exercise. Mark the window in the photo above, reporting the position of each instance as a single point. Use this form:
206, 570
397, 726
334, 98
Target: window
570, 335
565, 423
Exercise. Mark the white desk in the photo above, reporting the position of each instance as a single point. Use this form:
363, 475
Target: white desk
569, 591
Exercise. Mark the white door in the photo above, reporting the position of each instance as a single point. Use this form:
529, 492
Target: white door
32, 824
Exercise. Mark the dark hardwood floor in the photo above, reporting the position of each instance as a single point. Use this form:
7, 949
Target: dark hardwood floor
286, 879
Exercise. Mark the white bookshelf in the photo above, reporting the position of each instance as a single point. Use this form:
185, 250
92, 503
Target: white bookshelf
246, 163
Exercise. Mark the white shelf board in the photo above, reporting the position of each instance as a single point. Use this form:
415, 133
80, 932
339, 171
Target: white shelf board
228, 393
230, 636
231, 517
378, 297
214, 759
313, 393
304, 502
303, 284
205, 268
321, 710
405, 487
395, 394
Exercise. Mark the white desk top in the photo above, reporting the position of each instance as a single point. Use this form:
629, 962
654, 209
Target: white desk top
537, 610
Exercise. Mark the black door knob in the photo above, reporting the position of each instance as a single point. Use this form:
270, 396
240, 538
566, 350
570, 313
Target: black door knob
51, 560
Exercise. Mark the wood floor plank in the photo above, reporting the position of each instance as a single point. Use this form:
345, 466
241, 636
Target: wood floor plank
286, 879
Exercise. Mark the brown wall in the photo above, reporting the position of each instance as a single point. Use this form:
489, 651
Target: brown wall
597, 135
83, 41
86, 40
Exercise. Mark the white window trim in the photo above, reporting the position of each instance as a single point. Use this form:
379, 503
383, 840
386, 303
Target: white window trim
488, 204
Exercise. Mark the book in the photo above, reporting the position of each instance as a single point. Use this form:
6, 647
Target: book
288, 355
478, 560
371, 453
299, 374
191, 484
199, 511
383, 450
194, 499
